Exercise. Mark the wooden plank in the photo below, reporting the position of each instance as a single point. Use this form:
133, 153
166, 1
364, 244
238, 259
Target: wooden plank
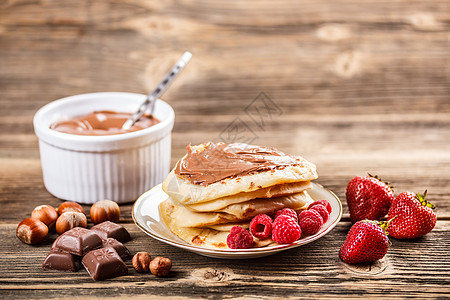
362, 86
423, 168
22, 179
318, 67
312, 269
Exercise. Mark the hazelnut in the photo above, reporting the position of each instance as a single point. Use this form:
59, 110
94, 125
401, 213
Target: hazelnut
160, 266
46, 214
105, 210
69, 220
70, 206
31, 231
141, 262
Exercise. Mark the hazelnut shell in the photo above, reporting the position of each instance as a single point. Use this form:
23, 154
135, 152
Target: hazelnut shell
46, 214
31, 231
160, 266
70, 206
141, 262
69, 220
105, 210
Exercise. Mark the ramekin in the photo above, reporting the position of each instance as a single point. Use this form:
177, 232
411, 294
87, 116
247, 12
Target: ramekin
118, 167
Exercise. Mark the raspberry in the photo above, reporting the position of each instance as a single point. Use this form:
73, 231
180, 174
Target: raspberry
285, 230
323, 202
261, 226
310, 221
239, 238
322, 210
288, 212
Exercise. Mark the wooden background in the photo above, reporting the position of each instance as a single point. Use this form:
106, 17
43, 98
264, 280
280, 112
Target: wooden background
361, 86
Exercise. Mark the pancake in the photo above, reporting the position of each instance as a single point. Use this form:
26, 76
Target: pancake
239, 212
249, 209
183, 217
203, 237
268, 167
215, 187
227, 227
269, 192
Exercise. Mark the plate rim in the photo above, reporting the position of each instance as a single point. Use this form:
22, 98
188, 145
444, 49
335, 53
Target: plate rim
261, 250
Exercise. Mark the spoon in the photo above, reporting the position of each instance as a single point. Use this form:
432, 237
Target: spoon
149, 102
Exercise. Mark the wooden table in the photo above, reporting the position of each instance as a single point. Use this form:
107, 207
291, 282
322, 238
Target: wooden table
356, 87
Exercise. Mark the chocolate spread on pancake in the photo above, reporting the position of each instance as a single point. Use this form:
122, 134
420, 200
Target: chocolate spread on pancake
102, 123
220, 161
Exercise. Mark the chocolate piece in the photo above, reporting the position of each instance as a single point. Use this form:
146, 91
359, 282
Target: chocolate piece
109, 229
61, 261
123, 251
220, 161
104, 263
78, 241
54, 243
102, 123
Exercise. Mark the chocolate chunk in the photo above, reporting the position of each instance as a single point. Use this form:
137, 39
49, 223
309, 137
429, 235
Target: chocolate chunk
109, 229
78, 241
104, 263
123, 251
61, 261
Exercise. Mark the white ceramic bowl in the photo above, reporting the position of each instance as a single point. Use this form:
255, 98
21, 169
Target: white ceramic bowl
118, 167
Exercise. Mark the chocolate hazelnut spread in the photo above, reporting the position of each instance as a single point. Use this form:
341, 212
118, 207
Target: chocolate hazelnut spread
102, 123
220, 161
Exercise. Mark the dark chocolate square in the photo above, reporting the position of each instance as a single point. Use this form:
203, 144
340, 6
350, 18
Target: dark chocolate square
112, 230
104, 263
78, 241
61, 261
123, 251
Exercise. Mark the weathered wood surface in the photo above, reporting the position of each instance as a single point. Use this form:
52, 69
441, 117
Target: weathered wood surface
313, 270
361, 86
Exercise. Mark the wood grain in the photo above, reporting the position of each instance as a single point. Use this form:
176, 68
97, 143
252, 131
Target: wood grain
310, 270
359, 86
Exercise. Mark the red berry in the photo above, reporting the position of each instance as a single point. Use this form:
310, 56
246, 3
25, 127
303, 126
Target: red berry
322, 202
368, 198
414, 216
261, 226
239, 238
322, 210
310, 221
288, 212
366, 242
285, 230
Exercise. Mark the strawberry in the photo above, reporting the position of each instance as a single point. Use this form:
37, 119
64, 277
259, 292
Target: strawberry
368, 198
366, 241
414, 216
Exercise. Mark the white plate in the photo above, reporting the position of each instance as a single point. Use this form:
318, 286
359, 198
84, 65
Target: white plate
146, 216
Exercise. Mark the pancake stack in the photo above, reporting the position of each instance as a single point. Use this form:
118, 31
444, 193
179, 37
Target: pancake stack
217, 186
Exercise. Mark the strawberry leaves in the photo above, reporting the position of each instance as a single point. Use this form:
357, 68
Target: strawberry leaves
385, 182
424, 202
414, 216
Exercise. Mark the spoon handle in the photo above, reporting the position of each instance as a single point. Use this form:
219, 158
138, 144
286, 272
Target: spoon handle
149, 102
